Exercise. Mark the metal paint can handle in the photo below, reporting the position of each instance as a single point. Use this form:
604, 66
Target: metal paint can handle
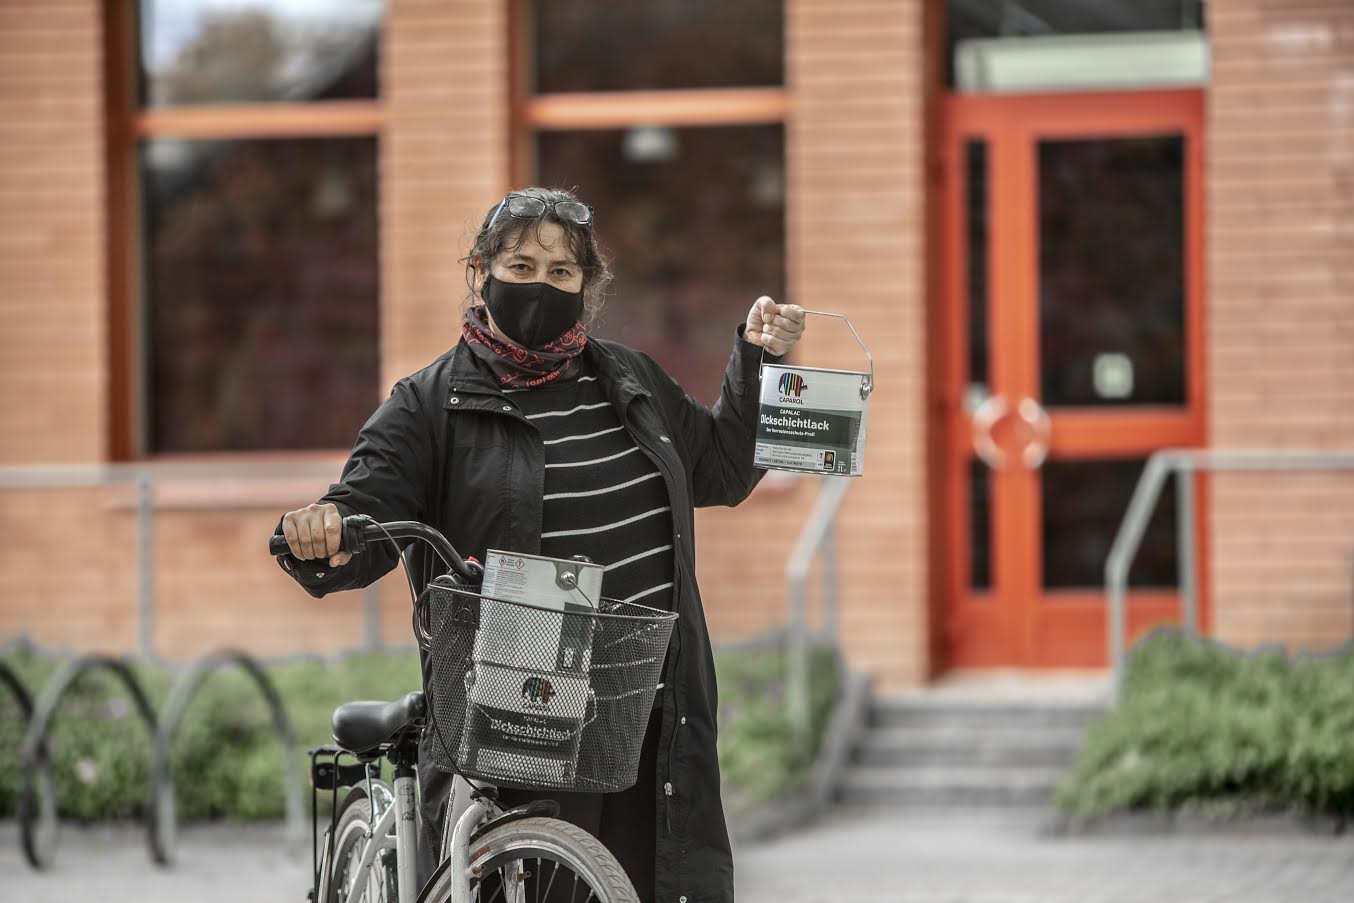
867, 379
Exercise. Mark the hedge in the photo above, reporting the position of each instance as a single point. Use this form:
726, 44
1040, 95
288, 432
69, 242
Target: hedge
1201, 726
226, 758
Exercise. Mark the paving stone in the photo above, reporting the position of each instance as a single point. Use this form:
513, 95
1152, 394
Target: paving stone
963, 856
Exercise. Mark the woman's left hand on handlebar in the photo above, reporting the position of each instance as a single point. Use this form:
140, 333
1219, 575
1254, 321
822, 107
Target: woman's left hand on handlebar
776, 327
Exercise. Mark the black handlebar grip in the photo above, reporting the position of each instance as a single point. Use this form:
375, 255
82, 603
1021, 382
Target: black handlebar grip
352, 537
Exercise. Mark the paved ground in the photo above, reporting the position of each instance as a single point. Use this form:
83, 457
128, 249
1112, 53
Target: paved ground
969, 858
1010, 858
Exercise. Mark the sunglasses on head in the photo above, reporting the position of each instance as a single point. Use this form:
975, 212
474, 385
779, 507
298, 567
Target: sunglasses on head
528, 206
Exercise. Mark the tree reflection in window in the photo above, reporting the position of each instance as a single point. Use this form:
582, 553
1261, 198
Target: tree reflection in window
218, 51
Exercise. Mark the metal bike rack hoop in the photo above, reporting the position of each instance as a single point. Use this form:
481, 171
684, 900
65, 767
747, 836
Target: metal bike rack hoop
35, 764
164, 824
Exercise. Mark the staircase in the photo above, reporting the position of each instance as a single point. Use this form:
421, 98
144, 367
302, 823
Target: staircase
980, 747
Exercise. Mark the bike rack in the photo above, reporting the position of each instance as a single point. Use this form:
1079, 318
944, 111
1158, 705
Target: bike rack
17, 690
37, 790
20, 694
38, 829
164, 824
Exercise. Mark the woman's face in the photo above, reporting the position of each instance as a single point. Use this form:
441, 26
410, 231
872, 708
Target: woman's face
543, 256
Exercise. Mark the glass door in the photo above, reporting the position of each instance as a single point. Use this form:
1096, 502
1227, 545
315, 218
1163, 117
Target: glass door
1071, 325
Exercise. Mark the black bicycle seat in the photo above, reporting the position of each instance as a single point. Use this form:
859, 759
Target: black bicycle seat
362, 726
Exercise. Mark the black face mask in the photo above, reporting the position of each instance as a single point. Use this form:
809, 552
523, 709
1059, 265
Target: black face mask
532, 314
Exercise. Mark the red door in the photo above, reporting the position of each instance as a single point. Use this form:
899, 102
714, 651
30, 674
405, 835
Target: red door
1071, 335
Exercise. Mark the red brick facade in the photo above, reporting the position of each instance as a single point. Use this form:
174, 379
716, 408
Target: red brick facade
1281, 314
53, 365
1280, 326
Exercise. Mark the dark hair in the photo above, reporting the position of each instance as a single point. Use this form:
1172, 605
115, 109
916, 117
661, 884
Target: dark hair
509, 232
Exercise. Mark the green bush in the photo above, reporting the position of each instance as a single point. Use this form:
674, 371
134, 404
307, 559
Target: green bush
1201, 726
227, 761
758, 758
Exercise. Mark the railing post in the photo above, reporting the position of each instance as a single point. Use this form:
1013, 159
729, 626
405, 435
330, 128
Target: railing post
1184, 543
371, 616
818, 535
145, 564
797, 676
1122, 551
828, 556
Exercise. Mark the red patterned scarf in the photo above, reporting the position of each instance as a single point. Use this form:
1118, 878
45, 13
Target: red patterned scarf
515, 367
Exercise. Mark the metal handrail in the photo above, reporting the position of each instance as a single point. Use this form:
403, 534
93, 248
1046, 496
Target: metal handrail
1185, 461
819, 536
145, 479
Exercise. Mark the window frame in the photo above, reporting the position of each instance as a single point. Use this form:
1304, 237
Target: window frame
126, 125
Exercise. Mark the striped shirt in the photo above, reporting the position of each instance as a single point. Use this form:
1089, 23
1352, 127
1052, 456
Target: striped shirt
604, 498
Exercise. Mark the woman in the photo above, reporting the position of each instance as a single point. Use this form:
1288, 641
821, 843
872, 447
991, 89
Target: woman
531, 436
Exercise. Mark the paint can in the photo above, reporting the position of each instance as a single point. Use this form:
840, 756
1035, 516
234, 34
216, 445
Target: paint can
812, 420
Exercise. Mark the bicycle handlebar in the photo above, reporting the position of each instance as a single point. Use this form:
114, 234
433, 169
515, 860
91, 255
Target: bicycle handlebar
359, 531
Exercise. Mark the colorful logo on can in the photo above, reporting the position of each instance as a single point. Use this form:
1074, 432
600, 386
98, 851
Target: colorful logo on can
792, 384
537, 690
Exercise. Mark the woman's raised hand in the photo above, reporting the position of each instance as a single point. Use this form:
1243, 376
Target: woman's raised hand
776, 327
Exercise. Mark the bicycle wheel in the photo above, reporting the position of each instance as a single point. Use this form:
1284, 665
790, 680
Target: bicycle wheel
540, 860
350, 842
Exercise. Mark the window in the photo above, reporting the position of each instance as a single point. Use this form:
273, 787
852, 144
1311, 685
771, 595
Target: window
695, 221
679, 147
1008, 18
601, 45
1073, 44
206, 51
251, 226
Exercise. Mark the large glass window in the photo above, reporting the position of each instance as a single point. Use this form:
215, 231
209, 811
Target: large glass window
256, 240
261, 276
601, 45
979, 20
1008, 18
695, 222
1112, 271
691, 210
205, 51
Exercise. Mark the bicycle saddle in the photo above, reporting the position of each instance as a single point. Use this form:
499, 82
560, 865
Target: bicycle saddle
361, 726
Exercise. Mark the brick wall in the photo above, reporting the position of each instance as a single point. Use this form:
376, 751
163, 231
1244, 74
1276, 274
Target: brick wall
1281, 314
53, 366
855, 150
444, 160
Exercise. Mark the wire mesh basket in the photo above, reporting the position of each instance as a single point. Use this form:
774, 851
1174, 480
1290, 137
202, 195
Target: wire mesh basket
537, 698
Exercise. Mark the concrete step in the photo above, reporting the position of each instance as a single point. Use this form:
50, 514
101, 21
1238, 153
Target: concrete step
1048, 747
873, 786
927, 712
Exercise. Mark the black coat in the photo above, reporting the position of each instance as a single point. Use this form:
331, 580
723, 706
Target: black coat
448, 448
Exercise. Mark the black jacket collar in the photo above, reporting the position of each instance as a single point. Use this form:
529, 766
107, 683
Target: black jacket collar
466, 376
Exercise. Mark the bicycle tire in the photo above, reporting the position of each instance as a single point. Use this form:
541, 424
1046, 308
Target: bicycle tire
350, 839
543, 840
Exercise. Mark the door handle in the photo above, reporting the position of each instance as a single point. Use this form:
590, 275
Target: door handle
1034, 415
987, 415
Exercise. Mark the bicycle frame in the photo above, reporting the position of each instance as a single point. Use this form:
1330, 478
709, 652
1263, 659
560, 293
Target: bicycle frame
396, 828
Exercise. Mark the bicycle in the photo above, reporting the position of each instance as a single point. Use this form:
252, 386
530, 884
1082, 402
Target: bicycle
370, 849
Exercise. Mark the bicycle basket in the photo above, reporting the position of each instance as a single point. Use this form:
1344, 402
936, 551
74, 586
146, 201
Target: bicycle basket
537, 698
